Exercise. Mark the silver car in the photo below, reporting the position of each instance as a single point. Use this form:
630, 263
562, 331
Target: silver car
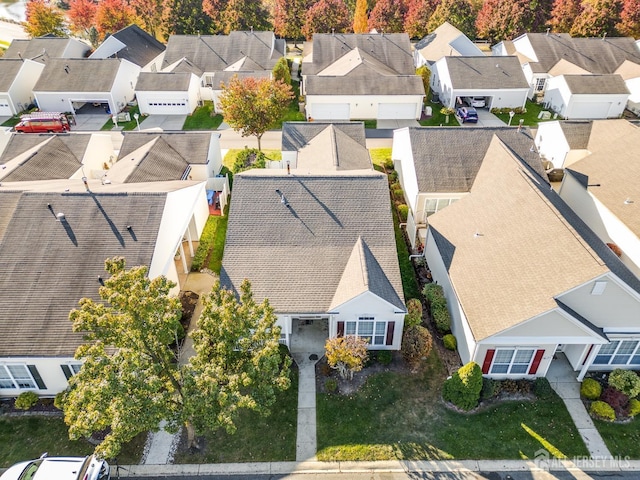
59, 468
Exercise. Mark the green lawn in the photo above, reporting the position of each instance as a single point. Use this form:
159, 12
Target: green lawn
230, 157
258, 439
380, 156
438, 119
202, 118
293, 113
217, 246
12, 122
131, 125
27, 437
530, 117
623, 440
401, 416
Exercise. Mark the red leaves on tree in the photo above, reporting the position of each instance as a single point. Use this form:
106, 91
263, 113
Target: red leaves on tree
326, 16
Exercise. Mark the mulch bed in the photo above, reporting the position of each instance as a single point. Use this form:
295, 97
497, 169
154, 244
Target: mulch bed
44, 407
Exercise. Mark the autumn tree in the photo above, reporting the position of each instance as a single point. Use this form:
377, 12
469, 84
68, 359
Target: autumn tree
425, 74
214, 9
458, 13
347, 354
388, 16
506, 19
563, 14
253, 105
131, 381
596, 18
149, 14
186, 17
360, 19
418, 14
113, 15
289, 17
242, 15
281, 71
81, 14
629, 24
44, 18
326, 16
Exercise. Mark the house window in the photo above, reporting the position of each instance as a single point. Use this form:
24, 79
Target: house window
368, 328
619, 352
512, 361
16, 376
433, 205
540, 84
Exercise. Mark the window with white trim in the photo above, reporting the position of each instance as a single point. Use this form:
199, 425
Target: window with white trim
619, 352
512, 361
75, 367
372, 330
540, 82
16, 376
433, 205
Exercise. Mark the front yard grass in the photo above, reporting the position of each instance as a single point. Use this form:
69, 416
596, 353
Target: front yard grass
127, 126
201, 118
437, 119
380, 156
232, 154
622, 439
401, 416
258, 439
530, 117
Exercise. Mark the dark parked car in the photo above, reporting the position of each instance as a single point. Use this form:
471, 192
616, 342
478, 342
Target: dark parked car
467, 114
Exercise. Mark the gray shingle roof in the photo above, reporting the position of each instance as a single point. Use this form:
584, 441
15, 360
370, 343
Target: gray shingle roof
186, 66
40, 48
486, 72
364, 82
296, 135
163, 82
447, 159
576, 133
225, 77
141, 48
296, 256
193, 146
213, 53
595, 55
596, 84
9, 69
160, 163
75, 145
43, 278
74, 75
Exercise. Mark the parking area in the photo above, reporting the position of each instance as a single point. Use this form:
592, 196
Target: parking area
485, 119
89, 123
163, 122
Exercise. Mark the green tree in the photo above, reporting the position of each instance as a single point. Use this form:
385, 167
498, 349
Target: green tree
244, 15
131, 380
596, 18
464, 386
186, 17
458, 13
289, 18
253, 105
346, 354
360, 18
326, 16
281, 71
425, 74
44, 18
149, 13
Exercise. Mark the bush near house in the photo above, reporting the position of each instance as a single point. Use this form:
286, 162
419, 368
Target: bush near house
384, 357
590, 389
634, 407
403, 212
627, 381
414, 313
616, 400
416, 344
602, 411
26, 400
464, 386
542, 388
249, 158
438, 307
450, 342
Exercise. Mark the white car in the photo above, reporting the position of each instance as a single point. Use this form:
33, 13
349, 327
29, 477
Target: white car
476, 102
59, 468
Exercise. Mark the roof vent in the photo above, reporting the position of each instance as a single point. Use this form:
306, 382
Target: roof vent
60, 217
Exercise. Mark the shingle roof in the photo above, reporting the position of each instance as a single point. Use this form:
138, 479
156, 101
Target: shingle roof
186, 66
576, 133
364, 81
296, 135
296, 255
596, 55
225, 77
9, 69
74, 146
163, 82
446, 40
447, 159
213, 53
40, 48
140, 47
392, 49
160, 163
74, 75
193, 146
486, 72
43, 278
495, 237
596, 84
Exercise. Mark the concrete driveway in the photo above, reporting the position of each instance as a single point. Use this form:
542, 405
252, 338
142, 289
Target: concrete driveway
488, 119
393, 124
89, 123
163, 122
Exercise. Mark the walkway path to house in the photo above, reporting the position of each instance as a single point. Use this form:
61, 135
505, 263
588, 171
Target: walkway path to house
306, 431
563, 380
161, 444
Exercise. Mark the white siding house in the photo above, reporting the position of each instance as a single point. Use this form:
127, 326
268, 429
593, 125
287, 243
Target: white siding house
17, 79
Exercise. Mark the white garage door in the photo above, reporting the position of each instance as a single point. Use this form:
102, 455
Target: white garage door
166, 107
5, 110
589, 110
396, 111
330, 111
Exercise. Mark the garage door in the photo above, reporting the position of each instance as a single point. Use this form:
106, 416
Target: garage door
165, 107
396, 111
330, 111
5, 110
589, 110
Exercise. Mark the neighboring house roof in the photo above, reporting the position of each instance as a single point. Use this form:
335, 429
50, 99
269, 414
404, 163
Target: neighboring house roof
53, 160
190, 145
446, 40
74, 75
75, 145
447, 159
492, 240
297, 253
220, 78
327, 146
364, 81
576, 133
596, 84
40, 48
391, 49
614, 166
159, 163
138, 46
486, 72
595, 55
49, 265
213, 53
186, 66
163, 82
9, 69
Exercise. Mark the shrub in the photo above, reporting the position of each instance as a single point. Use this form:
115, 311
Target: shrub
249, 158
590, 389
414, 313
542, 388
384, 357
450, 342
463, 387
516, 387
206, 239
438, 307
331, 385
398, 193
447, 111
26, 400
617, 400
282, 71
393, 176
60, 399
388, 164
602, 410
416, 344
403, 212
395, 186
627, 381
634, 407
490, 388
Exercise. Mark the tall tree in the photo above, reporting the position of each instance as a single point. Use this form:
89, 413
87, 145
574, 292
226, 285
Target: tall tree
597, 17
388, 16
44, 18
81, 14
417, 17
253, 105
187, 17
289, 16
563, 14
149, 13
504, 19
281, 71
458, 13
360, 19
215, 10
630, 19
130, 380
243, 15
113, 15
326, 16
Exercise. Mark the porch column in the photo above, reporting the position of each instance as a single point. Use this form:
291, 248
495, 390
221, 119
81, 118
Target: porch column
588, 362
190, 241
184, 260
